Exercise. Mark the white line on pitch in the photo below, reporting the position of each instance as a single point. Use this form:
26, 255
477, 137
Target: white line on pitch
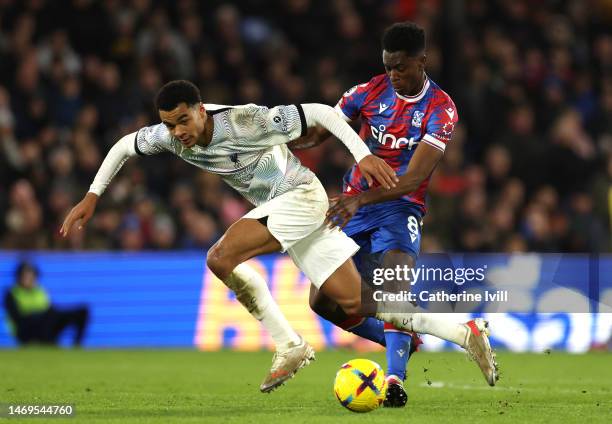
443, 385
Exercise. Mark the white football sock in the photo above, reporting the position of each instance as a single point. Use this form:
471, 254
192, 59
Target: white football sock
437, 325
253, 293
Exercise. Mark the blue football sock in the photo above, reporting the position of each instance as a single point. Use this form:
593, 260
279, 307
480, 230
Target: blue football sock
398, 352
371, 329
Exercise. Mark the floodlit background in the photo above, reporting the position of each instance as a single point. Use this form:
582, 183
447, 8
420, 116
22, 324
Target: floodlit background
529, 168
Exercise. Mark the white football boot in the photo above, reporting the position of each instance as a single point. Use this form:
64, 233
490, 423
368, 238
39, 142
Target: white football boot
286, 363
479, 349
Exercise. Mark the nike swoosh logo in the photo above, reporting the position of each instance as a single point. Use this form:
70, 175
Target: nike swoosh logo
278, 374
382, 107
450, 113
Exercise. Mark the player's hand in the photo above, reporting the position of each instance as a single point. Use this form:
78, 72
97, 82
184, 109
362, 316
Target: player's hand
82, 212
374, 168
341, 210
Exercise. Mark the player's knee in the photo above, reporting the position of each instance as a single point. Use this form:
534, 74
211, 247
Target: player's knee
219, 261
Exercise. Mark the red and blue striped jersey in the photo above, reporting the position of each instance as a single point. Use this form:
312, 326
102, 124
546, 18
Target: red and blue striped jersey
393, 125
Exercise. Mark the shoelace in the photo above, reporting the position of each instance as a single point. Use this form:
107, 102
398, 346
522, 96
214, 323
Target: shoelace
276, 359
279, 355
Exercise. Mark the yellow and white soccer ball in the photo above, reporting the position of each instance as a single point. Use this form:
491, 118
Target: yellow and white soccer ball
360, 385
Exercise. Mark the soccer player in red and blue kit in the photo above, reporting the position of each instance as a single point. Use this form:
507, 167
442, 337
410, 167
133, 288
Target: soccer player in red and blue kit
407, 120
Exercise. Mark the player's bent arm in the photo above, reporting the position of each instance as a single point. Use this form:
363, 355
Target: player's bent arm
314, 137
422, 164
114, 160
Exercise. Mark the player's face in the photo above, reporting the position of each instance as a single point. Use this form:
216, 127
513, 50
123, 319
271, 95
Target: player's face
185, 123
405, 72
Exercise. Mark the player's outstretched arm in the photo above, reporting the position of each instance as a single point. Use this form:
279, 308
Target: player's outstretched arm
315, 136
114, 160
371, 167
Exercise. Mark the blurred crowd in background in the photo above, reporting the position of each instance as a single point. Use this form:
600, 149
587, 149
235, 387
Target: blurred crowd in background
529, 167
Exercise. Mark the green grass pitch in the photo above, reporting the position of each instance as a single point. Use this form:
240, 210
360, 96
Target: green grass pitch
167, 386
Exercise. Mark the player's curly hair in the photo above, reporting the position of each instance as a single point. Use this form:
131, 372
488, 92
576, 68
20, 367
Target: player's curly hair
404, 36
176, 92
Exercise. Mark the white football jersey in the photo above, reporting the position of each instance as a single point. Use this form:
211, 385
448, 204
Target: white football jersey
248, 149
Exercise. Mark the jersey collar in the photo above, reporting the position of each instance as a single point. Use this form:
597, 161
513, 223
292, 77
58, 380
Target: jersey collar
416, 98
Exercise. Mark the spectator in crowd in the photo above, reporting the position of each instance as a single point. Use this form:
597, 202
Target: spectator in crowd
529, 169
33, 318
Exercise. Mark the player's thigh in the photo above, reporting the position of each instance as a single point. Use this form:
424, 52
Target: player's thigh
324, 305
245, 239
343, 286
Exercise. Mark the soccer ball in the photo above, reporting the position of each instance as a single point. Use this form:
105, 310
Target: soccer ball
360, 385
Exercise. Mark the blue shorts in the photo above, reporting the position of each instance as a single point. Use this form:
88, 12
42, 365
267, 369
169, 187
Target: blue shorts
381, 227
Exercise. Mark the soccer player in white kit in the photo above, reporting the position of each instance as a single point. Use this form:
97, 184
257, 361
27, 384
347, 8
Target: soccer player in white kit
246, 146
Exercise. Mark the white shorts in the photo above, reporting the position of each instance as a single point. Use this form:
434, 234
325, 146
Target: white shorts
295, 219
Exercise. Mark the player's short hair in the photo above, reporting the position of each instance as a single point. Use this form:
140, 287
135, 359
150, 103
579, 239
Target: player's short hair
404, 36
176, 92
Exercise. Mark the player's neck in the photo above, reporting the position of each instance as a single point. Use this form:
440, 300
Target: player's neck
206, 136
418, 86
